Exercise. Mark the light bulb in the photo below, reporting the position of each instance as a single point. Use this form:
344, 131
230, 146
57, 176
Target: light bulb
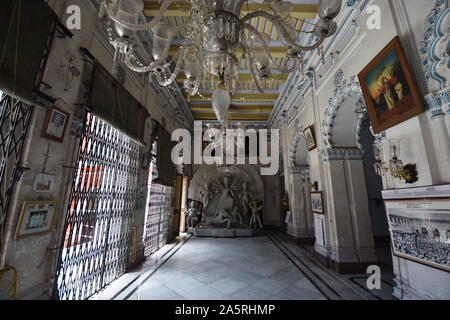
329, 9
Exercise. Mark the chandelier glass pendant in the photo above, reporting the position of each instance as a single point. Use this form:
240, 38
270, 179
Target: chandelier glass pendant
215, 31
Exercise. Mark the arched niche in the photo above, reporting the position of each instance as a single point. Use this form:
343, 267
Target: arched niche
298, 148
342, 123
212, 175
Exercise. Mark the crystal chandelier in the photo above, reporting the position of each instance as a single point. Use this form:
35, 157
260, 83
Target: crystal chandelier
215, 31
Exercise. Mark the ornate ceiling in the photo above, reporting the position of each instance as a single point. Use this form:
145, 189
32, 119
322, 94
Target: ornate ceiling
248, 104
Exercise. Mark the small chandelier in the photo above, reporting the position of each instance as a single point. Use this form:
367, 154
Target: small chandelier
215, 30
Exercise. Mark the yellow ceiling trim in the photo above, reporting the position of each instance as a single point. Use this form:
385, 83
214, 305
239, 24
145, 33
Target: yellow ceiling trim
237, 108
276, 52
245, 77
245, 97
235, 117
300, 11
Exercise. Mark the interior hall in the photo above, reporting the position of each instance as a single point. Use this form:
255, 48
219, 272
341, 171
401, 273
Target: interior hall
224, 150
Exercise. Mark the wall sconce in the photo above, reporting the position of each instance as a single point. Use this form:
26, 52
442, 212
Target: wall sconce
314, 185
395, 166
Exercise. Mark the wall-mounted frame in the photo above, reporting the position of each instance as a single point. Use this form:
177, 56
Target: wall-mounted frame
317, 202
310, 138
44, 182
389, 88
36, 217
56, 124
420, 230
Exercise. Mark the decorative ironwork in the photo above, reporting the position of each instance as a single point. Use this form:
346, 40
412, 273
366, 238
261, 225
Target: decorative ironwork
100, 214
14, 121
158, 211
157, 221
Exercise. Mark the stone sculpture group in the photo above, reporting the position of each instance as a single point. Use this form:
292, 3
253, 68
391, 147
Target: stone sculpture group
233, 205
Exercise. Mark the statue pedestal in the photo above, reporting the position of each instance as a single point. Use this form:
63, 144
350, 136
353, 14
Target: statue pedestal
222, 232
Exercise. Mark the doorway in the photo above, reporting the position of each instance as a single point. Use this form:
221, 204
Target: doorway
378, 215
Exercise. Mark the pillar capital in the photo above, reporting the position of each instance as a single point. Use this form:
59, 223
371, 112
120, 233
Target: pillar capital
299, 170
438, 104
341, 154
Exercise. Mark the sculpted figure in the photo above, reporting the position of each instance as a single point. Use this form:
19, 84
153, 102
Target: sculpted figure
206, 195
227, 190
255, 206
224, 216
245, 198
192, 213
237, 216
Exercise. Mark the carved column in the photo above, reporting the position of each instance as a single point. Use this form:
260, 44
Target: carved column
438, 106
347, 213
302, 227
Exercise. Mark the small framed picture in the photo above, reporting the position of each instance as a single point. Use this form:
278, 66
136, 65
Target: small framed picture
317, 202
310, 138
43, 182
36, 218
56, 124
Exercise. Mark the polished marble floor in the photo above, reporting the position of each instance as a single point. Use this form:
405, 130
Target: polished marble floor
267, 267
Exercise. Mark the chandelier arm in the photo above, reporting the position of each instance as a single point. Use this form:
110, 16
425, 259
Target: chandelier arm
158, 64
267, 50
173, 76
253, 30
252, 71
151, 67
281, 29
136, 26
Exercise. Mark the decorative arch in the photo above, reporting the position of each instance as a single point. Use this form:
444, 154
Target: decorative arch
351, 119
435, 46
298, 148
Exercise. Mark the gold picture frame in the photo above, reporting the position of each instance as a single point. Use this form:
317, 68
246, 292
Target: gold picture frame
389, 88
310, 138
56, 123
36, 218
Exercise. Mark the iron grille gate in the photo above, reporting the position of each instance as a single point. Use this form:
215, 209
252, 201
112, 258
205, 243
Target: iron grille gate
14, 121
100, 214
158, 211
157, 220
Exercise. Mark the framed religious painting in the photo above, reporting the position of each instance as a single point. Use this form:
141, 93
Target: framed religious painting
389, 88
36, 218
56, 124
317, 202
420, 230
310, 138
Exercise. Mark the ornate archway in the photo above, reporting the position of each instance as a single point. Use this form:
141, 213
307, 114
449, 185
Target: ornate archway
344, 114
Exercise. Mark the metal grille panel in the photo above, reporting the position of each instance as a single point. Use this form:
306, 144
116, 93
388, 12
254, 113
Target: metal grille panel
157, 221
100, 214
158, 211
14, 121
